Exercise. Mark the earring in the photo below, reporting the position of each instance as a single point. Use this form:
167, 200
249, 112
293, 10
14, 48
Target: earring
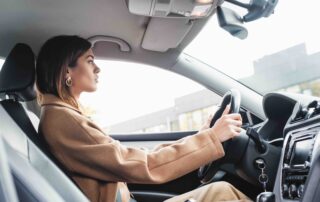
69, 81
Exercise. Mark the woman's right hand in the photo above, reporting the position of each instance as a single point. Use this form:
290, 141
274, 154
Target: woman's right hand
227, 126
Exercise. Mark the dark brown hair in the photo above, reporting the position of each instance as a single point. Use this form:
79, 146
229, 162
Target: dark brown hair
55, 56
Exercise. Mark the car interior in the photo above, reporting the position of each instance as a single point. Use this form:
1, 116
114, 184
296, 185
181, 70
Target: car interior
273, 158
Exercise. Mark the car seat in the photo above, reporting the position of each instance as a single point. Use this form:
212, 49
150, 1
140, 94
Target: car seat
17, 78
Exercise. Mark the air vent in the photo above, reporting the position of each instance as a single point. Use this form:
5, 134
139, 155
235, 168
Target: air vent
298, 113
315, 108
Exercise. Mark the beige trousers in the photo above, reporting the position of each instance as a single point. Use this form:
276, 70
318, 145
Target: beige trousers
218, 191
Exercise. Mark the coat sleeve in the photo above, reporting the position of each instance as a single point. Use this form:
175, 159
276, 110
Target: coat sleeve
85, 150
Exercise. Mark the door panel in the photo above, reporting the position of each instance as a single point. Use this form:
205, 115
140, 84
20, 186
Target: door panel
149, 140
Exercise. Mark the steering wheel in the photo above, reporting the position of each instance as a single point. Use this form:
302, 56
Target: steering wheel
232, 97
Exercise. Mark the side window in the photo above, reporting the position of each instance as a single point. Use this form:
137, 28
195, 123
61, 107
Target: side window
135, 98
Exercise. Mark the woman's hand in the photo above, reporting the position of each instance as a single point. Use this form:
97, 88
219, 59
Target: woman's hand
226, 127
206, 125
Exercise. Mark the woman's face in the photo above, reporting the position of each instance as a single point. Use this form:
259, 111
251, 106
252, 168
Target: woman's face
84, 75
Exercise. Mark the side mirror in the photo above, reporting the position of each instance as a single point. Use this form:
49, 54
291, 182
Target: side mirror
231, 22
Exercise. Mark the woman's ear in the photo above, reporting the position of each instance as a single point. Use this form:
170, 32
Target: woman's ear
69, 71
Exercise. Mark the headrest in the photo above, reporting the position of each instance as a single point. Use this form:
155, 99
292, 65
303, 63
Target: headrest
17, 75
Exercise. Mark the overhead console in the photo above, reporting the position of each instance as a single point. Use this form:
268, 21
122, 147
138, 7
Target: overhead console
173, 8
171, 20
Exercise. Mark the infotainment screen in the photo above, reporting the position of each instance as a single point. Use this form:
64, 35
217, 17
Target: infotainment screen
301, 150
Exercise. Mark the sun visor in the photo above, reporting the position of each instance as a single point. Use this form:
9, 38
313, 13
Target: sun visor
164, 33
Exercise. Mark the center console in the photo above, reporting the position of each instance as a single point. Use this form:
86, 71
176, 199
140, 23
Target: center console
297, 160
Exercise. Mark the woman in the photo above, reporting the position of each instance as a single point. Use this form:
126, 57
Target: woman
97, 163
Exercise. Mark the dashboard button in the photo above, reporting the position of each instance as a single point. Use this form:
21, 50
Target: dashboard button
285, 190
300, 190
292, 191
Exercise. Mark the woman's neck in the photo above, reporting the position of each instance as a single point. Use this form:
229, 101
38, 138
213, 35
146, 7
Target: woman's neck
75, 94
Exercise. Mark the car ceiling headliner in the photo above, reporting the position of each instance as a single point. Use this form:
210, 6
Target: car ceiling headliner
34, 21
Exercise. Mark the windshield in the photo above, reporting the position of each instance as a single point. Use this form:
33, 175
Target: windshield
281, 52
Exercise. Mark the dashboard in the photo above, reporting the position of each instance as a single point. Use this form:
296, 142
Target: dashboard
294, 120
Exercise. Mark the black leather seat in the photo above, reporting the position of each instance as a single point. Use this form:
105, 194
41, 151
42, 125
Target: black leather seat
17, 78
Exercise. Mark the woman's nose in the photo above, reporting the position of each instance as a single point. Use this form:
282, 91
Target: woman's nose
97, 70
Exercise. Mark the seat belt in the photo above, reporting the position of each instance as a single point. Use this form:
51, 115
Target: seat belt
19, 115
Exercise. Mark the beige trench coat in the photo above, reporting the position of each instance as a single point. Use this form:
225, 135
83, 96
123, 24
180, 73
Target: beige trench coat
100, 164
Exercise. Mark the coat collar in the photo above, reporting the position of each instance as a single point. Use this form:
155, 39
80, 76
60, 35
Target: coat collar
50, 99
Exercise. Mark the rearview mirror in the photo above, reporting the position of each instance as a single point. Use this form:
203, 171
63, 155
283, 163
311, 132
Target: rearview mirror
256, 8
231, 22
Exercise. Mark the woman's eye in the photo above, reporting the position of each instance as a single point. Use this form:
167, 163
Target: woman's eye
90, 62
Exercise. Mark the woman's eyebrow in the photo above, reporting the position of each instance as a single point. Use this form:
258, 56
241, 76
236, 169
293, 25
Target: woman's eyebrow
90, 56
